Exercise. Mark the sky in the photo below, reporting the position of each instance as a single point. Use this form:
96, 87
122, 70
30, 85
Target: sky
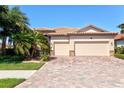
106, 17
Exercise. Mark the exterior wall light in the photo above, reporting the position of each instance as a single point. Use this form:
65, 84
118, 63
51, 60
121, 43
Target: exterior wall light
91, 38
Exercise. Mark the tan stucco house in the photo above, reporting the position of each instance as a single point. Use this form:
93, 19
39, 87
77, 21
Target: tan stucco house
87, 41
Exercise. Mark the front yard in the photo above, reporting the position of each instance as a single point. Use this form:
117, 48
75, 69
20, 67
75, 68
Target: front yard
15, 62
10, 82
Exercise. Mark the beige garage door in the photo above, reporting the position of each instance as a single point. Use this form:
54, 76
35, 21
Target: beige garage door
92, 49
61, 49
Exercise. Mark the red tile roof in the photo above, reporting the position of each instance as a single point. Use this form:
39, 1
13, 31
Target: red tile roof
84, 33
70, 31
119, 37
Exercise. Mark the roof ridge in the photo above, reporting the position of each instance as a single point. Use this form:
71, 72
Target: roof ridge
86, 27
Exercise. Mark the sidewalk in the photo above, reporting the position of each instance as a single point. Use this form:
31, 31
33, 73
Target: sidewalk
16, 73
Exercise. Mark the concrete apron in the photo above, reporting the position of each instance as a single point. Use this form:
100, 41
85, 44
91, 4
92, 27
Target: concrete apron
16, 73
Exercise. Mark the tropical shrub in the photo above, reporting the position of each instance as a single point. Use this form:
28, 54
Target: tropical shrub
119, 50
11, 58
10, 51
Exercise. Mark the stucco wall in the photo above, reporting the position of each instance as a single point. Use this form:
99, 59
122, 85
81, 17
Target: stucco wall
58, 39
72, 39
108, 38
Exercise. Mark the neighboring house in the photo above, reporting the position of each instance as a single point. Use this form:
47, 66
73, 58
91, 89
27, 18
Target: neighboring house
87, 41
119, 40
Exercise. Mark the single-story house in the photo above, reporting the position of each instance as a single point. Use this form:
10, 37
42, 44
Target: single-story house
119, 40
87, 41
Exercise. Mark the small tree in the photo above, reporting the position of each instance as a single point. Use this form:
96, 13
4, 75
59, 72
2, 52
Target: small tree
121, 26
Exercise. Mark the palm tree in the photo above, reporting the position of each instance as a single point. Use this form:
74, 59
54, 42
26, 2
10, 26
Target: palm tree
22, 43
27, 43
4, 25
19, 20
14, 24
20, 23
12, 21
121, 26
39, 41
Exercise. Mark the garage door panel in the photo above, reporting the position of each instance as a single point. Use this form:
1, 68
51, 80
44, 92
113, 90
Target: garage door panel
61, 49
92, 49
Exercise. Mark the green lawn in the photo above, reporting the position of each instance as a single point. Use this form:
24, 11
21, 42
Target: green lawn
20, 66
120, 56
14, 62
10, 82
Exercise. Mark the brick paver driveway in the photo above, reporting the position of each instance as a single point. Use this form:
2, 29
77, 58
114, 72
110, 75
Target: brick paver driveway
78, 72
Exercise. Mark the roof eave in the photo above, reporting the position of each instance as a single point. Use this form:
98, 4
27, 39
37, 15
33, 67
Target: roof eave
83, 34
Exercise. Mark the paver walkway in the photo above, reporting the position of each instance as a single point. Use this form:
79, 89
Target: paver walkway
78, 72
16, 73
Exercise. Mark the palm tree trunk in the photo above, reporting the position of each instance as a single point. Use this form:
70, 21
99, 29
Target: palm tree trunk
4, 45
32, 53
14, 46
34, 46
